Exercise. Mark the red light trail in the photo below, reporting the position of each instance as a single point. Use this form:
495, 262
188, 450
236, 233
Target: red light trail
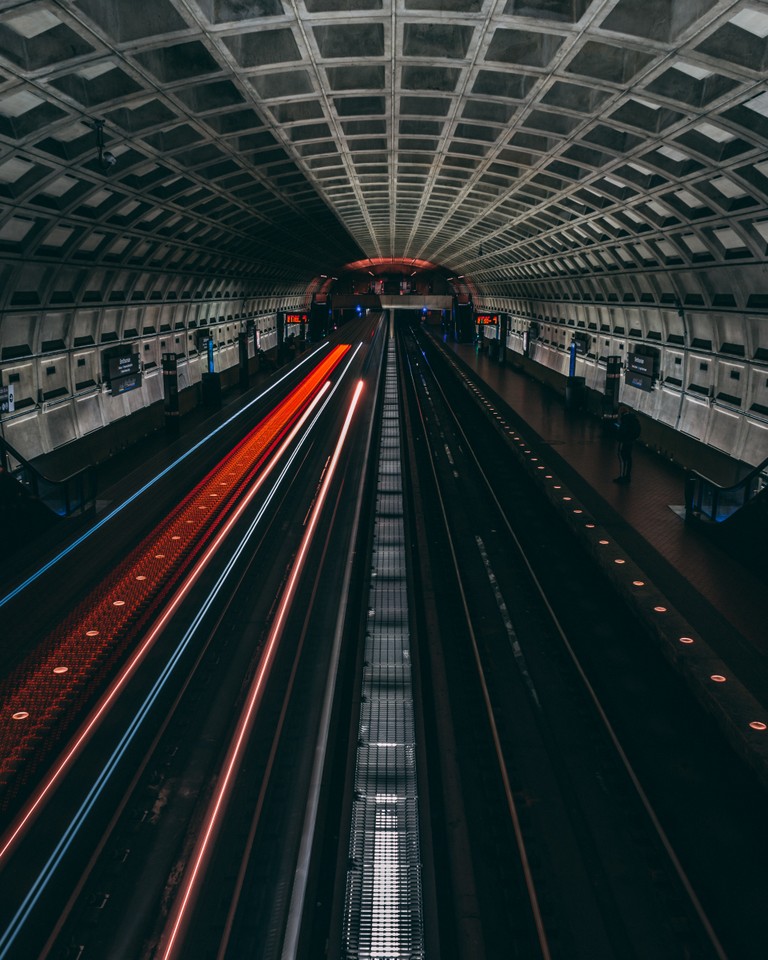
49, 690
225, 780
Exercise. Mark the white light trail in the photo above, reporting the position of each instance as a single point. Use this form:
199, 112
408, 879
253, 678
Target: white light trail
44, 877
173, 939
38, 886
150, 483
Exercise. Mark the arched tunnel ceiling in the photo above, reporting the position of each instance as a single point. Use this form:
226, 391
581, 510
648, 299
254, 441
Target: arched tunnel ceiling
519, 142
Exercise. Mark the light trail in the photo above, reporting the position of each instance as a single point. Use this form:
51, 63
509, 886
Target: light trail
185, 899
130, 668
38, 886
60, 675
149, 484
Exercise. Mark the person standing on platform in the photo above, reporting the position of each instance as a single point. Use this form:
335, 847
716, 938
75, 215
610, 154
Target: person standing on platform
628, 427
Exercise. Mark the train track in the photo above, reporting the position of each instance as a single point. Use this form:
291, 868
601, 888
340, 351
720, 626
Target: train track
141, 867
560, 832
573, 802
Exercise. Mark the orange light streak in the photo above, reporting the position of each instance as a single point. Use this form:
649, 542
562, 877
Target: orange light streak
100, 630
237, 745
83, 735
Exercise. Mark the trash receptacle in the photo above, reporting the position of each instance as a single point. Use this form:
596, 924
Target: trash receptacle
211, 391
575, 392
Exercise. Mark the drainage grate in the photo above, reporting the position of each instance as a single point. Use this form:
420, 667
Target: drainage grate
383, 914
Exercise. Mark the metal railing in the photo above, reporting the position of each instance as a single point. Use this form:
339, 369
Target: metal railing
64, 497
707, 500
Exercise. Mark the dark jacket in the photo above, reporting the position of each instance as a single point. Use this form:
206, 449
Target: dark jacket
629, 427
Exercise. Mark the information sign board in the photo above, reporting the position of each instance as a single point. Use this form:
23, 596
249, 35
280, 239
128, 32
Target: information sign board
639, 380
7, 400
639, 363
124, 366
124, 384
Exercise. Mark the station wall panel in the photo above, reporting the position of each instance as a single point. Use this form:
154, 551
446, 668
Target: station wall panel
111, 325
113, 407
19, 336
673, 326
756, 395
757, 338
700, 375
669, 406
88, 413
58, 426
85, 328
730, 382
754, 441
732, 335
588, 368
672, 367
152, 384
22, 376
134, 400
724, 429
648, 402
713, 364
694, 416
24, 434
54, 331
53, 377
701, 331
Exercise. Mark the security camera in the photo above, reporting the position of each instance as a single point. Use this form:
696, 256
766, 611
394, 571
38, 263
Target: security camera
108, 159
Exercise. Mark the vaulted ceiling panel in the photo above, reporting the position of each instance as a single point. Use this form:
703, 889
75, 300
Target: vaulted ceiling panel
309, 134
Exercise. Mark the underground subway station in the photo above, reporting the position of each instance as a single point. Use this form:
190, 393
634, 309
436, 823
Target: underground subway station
383, 468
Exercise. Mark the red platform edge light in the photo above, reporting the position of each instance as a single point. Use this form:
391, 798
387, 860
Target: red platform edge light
39, 701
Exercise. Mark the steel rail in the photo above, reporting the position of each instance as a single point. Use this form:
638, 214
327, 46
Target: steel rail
621, 753
172, 939
296, 907
530, 885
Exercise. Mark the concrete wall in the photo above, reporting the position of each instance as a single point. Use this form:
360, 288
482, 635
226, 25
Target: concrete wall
53, 361
712, 384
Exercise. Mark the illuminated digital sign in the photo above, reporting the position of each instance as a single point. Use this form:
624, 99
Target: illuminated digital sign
638, 363
121, 368
295, 318
124, 366
487, 318
641, 370
638, 380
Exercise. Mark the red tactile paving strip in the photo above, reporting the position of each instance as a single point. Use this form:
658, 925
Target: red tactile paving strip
40, 699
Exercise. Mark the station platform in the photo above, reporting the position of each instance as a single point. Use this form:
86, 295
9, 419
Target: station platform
707, 611
37, 535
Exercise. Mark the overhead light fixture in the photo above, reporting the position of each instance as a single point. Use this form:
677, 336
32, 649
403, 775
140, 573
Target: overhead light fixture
106, 158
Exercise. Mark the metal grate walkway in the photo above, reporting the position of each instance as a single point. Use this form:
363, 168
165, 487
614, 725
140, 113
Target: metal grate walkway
383, 915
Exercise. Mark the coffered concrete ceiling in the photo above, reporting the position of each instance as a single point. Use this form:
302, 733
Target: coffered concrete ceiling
523, 143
